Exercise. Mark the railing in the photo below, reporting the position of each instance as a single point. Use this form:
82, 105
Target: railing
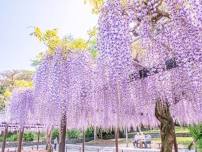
78, 148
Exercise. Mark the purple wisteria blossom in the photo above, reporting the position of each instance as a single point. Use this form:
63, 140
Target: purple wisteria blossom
63, 86
21, 107
170, 68
114, 89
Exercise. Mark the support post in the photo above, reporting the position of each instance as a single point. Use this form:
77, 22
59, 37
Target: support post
126, 137
63, 127
20, 138
101, 133
118, 104
117, 138
4, 139
95, 133
83, 143
48, 140
38, 138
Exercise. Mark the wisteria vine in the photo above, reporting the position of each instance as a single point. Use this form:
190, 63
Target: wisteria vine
115, 88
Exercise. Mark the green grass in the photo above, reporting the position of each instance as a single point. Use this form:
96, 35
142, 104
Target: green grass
177, 130
184, 140
180, 140
151, 131
181, 130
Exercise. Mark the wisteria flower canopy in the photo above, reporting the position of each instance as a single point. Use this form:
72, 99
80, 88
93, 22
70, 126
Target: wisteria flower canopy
171, 66
21, 107
117, 89
63, 86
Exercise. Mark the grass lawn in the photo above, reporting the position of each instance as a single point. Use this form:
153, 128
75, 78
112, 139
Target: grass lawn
181, 130
177, 130
180, 140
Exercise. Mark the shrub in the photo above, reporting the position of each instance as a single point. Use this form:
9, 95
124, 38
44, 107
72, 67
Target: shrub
55, 134
200, 143
73, 133
196, 132
12, 137
89, 133
108, 134
28, 136
105, 134
1, 138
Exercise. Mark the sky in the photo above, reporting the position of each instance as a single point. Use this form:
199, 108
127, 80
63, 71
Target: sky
18, 17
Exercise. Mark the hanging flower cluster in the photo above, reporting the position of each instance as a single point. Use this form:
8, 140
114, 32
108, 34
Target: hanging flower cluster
177, 47
114, 40
63, 86
21, 107
171, 68
116, 90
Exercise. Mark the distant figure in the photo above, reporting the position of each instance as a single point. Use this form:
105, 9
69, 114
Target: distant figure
147, 141
141, 139
55, 143
142, 136
136, 140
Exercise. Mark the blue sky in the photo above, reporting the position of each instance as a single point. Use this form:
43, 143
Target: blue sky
17, 47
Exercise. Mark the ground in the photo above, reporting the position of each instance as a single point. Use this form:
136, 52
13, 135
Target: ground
108, 145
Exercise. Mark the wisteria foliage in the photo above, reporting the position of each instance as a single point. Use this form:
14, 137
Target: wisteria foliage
21, 107
176, 39
65, 89
116, 90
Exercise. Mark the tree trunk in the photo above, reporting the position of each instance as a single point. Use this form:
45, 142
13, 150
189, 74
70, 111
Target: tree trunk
4, 139
83, 144
38, 138
167, 126
48, 140
63, 127
20, 138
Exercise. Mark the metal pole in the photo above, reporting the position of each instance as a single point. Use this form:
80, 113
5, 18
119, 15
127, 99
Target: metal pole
117, 127
83, 144
126, 137
95, 133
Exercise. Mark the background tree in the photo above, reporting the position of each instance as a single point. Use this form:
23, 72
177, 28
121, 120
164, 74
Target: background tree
13, 79
51, 40
96, 5
21, 110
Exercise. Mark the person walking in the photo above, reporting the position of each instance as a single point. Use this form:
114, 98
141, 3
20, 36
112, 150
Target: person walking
55, 143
